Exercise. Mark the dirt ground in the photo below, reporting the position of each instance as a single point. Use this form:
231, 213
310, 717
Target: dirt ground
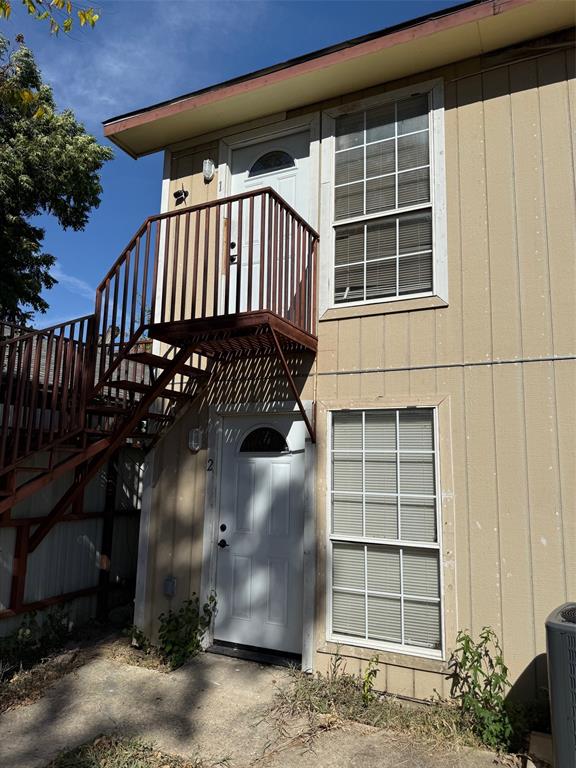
215, 708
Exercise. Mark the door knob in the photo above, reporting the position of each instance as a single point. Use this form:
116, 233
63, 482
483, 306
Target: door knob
223, 543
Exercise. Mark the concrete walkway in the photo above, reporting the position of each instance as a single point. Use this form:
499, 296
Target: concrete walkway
214, 707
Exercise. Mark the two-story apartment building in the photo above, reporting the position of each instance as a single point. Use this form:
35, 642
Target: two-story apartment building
360, 293
385, 451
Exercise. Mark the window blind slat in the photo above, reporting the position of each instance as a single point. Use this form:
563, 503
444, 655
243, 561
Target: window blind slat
381, 517
349, 283
413, 187
380, 122
381, 158
417, 473
380, 279
350, 166
415, 232
348, 566
381, 239
381, 194
413, 151
380, 430
347, 515
412, 114
349, 614
349, 200
380, 473
347, 472
384, 619
416, 430
347, 431
418, 519
422, 624
420, 572
415, 273
349, 245
349, 130
383, 568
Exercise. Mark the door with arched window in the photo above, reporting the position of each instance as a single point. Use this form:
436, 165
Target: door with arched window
282, 163
259, 576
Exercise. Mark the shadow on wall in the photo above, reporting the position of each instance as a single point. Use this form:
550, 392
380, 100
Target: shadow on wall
530, 690
515, 69
259, 380
178, 477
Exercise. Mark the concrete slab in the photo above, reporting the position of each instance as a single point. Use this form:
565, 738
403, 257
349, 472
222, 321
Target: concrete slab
215, 707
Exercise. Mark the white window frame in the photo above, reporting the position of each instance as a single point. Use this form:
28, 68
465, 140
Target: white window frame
437, 196
360, 642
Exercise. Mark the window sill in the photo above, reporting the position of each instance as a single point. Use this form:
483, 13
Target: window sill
397, 659
384, 308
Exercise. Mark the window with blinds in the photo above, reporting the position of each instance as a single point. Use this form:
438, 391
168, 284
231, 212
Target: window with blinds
385, 552
383, 202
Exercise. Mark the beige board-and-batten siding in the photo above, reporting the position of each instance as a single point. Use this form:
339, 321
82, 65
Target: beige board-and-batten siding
498, 360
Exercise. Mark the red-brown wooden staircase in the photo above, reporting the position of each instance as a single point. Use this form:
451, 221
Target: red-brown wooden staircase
193, 290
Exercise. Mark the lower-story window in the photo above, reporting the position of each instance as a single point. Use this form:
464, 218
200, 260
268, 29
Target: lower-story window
385, 551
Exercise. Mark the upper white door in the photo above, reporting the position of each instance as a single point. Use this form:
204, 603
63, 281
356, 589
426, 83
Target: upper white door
261, 526
282, 163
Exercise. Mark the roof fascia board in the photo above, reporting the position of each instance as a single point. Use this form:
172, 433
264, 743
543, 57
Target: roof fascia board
416, 29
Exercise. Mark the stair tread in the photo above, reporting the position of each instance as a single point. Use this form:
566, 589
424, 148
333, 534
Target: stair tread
134, 386
113, 410
148, 358
107, 432
106, 409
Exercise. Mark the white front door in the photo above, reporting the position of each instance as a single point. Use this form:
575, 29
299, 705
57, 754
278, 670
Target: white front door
282, 163
260, 533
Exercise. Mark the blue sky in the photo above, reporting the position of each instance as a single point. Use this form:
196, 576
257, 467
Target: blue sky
145, 51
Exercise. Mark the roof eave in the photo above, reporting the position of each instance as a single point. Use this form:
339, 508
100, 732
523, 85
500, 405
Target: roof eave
151, 129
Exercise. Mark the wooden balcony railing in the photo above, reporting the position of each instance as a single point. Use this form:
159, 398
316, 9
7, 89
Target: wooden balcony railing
241, 254
43, 386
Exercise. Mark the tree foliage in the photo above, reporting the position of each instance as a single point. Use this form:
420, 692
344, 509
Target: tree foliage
59, 14
48, 164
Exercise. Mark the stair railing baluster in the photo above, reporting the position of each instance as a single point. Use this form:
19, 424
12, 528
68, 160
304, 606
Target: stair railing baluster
175, 264
206, 260
183, 294
134, 299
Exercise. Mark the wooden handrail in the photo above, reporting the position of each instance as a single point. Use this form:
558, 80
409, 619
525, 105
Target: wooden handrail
199, 207
242, 253
43, 331
43, 387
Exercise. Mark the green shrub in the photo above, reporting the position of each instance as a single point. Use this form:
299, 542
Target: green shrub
368, 680
138, 639
479, 683
181, 632
33, 641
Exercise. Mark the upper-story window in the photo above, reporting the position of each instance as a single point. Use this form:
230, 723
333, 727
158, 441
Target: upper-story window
386, 176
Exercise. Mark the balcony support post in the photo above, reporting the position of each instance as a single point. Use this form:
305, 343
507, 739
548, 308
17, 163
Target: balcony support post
282, 358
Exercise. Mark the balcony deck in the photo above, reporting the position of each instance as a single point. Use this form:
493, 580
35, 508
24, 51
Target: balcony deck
231, 336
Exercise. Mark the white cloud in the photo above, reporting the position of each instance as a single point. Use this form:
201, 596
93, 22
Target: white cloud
143, 52
73, 284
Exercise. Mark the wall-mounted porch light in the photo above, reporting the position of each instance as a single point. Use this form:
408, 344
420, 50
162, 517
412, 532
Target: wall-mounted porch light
208, 170
195, 440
